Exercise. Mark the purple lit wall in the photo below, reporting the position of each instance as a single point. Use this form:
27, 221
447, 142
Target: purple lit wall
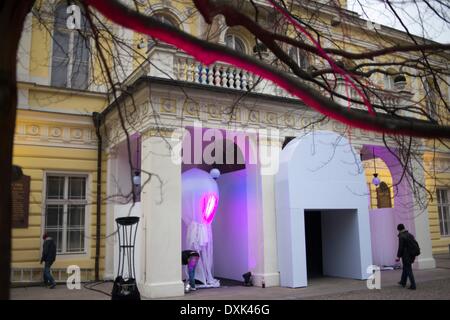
383, 222
384, 236
230, 227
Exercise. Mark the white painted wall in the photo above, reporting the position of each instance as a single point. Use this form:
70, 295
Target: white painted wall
318, 171
230, 225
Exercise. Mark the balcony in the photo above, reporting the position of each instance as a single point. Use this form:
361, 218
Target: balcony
169, 63
389, 100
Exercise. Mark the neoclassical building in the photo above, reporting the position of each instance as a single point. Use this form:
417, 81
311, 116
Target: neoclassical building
296, 197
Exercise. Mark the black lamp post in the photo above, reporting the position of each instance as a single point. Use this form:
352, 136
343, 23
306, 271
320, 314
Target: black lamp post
125, 286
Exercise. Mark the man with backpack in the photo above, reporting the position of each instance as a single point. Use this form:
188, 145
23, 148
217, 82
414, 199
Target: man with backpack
408, 250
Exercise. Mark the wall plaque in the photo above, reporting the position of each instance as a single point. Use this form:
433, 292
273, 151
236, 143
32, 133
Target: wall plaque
20, 202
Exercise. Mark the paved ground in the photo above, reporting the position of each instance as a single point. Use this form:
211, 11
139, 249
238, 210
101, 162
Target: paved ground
431, 284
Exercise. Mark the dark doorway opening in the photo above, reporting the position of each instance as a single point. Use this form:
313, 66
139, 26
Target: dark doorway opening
313, 242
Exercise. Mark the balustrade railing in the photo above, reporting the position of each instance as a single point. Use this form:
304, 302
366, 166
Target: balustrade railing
180, 66
218, 74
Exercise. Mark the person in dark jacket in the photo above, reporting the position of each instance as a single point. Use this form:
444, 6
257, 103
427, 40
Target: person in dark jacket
190, 258
48, 257
404, 237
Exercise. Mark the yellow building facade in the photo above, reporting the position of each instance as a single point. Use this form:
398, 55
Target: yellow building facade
56, 143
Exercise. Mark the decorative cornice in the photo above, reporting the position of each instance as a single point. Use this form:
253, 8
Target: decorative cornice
55, 135
171, 109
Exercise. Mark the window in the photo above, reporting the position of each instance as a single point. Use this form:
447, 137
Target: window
389, 82
299, 57
70, 56
430, 99
235, 43
65, 212
165, 18
443, 211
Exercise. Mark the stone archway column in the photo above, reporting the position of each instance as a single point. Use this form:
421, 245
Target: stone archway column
111, 167
421, 219
267, 264
161, 205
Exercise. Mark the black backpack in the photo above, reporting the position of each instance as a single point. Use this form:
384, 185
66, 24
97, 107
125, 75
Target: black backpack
413, 246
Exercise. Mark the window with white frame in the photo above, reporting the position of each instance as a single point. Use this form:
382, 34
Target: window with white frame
70, 53
65, 211
443, 211
388, 82
234, 42
299, 57
166, 18
431, 98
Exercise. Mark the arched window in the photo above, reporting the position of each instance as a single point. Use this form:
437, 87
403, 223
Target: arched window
299, 57
70, 54
165, 18
235, 43
384, 196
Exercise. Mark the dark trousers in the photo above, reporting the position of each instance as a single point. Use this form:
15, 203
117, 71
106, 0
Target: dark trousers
408, 273
48, 279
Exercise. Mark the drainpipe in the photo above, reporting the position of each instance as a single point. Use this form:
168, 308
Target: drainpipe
97, 118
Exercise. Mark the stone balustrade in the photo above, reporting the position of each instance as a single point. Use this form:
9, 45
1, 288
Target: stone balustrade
218, 74
167, 62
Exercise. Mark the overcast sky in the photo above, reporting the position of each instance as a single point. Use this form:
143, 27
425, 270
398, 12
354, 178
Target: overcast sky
417, 16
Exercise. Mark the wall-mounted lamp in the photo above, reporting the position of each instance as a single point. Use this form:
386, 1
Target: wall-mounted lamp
137, 179
215, 173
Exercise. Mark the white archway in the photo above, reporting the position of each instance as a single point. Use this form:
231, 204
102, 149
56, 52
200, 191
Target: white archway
320, 171
237, 227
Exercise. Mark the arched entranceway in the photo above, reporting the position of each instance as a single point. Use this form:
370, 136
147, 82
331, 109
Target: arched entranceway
320, 174
383, 221
235, 228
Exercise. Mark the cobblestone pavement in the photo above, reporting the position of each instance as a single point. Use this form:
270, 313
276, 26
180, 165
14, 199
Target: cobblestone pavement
431, 284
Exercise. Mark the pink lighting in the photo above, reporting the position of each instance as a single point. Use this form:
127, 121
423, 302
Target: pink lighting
208, 204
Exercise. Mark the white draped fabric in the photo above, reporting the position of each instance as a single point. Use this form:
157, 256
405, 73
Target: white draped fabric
196, 184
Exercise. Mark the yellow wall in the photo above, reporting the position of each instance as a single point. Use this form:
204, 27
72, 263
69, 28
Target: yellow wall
40, 50
35, 161
60, 100
437, 176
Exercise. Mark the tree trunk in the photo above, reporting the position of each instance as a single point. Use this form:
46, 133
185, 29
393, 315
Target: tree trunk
12, 17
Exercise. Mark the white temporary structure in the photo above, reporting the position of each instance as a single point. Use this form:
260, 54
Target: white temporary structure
321, 172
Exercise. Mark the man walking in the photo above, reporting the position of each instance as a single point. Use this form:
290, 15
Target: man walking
407, 250
48, 257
